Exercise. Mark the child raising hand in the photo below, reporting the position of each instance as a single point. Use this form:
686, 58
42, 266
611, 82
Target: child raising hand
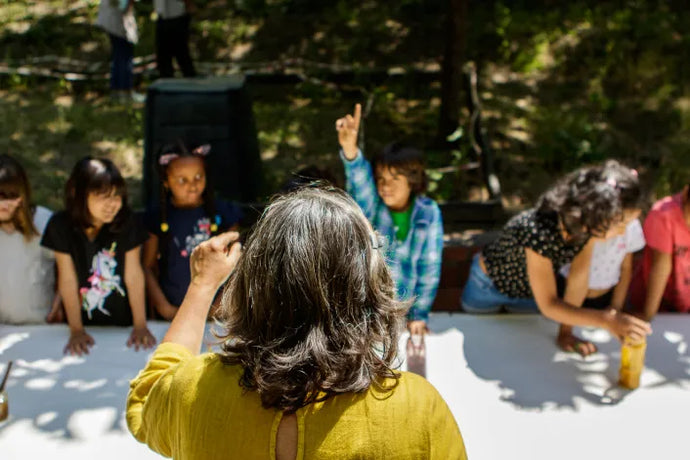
391, 194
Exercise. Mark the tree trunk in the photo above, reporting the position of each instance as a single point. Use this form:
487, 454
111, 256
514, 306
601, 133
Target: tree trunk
451, 67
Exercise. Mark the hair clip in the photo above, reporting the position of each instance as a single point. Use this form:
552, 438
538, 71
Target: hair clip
164, 227
202, 150
167, 158
377, 241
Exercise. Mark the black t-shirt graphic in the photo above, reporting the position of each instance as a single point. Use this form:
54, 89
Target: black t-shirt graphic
100, 266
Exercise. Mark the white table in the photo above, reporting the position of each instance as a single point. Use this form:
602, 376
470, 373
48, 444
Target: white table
513, 394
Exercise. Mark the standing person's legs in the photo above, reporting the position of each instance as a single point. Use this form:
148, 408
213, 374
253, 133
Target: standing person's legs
115, 63
121, 78
165, 36
184, 59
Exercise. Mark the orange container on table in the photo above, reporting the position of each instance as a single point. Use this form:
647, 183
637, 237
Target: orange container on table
632, 363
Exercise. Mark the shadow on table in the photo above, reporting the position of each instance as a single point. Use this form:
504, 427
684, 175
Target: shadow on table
667, 351
66, 396
520, 353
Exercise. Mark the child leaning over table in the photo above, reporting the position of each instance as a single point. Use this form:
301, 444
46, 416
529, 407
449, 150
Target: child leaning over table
391, 194
611, 263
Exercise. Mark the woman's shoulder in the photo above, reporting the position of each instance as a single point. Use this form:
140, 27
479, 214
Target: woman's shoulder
187, 371
207, 370
410, 392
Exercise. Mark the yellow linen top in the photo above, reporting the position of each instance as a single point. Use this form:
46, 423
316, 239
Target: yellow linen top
193, 407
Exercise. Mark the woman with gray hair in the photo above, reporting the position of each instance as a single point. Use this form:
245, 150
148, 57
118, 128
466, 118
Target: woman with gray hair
310, 333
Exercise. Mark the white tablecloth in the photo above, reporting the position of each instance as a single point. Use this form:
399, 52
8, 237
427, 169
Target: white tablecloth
514, 395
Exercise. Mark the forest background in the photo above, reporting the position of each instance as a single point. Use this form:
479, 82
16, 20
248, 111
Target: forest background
561, 84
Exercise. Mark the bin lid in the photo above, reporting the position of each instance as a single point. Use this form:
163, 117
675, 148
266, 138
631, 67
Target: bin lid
199, 85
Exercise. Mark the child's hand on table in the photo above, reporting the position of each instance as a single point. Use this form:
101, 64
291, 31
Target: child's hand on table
141, 337
79, 343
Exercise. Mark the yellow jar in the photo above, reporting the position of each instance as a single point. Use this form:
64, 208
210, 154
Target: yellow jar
632, 363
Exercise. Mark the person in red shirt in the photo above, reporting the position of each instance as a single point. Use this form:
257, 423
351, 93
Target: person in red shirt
663, 279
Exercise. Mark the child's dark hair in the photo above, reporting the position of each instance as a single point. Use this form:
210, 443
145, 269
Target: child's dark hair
94, 175
15, 184
591, 199
407, 161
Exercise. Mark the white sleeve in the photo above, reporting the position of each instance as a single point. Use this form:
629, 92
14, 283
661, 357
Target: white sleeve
41, 217
634, 236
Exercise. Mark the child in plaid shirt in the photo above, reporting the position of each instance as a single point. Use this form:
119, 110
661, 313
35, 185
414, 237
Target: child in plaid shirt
391, 195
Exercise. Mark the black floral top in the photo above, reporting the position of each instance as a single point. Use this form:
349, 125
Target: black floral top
505, 257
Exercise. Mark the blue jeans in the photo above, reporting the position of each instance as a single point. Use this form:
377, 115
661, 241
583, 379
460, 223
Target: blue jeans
480, 295
121, 67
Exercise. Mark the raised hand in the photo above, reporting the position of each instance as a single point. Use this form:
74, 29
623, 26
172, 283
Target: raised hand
213, 260
348, 127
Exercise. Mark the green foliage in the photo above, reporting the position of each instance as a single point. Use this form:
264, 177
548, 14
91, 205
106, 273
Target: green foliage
561, 83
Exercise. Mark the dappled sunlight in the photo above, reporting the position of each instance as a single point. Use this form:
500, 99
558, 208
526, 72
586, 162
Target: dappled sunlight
518, 355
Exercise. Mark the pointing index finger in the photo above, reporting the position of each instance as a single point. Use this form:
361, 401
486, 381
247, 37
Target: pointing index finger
358, 115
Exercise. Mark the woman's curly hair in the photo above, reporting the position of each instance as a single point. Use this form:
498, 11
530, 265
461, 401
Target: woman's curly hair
591, 199
310, 310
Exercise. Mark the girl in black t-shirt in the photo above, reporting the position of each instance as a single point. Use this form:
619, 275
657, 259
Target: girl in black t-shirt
518, 269
97, 247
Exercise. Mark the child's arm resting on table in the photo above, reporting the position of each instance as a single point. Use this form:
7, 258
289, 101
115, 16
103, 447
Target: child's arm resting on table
543, 283
134, 280
659, 273
575, 293
620, 292
153, 287
68, 287
428, 269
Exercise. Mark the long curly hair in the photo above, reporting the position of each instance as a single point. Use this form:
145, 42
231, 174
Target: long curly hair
310, 311
591, 199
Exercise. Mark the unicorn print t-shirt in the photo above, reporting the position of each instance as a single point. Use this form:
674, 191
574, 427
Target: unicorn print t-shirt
100, 266
187, 228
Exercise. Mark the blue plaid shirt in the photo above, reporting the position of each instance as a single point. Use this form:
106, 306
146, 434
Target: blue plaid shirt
415, 263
